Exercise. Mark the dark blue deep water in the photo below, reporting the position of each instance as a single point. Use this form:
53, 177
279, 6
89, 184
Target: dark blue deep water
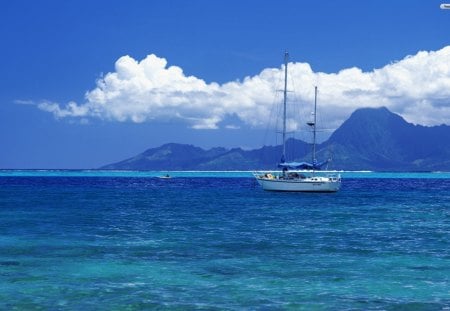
213, 243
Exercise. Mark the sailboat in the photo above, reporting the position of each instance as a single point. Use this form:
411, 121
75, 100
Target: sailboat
299, 176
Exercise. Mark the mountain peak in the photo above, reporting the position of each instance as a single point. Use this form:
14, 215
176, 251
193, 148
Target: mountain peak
375, 115
376, 138
368, 123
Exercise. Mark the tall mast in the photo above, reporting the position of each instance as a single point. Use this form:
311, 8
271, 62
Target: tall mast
286, 58
314, 126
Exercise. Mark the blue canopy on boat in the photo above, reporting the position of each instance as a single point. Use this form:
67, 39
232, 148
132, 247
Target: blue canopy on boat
302, 165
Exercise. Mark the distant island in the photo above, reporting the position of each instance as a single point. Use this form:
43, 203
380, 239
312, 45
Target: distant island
371, 139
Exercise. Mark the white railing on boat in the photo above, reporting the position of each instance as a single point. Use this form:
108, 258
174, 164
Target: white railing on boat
332, 175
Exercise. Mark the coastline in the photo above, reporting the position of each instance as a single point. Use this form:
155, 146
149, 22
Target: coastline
199, 174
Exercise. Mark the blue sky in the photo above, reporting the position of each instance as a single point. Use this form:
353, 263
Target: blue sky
79, 89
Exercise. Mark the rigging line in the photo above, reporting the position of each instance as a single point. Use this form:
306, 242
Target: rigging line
318, 116
292, 113
273, 112
299, 112
321, 117
299, 104
280, 105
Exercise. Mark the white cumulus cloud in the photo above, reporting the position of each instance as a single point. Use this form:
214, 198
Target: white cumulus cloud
417, 87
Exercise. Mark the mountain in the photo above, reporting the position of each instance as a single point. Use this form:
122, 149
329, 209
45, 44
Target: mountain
188, 157
371, 139
168, 157
377, 139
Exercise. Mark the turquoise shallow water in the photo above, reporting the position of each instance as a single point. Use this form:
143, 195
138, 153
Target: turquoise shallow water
91, 240
200, 174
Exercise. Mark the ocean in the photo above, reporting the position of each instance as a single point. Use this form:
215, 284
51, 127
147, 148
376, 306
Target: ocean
102, 240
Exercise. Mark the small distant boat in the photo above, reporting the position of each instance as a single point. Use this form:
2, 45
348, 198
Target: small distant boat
167, 176
299, 176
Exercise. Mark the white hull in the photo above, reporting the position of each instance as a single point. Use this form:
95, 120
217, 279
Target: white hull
308, 184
